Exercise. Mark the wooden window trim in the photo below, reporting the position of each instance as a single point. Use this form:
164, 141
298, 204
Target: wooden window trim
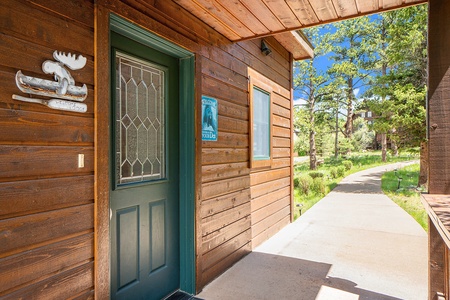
261, 82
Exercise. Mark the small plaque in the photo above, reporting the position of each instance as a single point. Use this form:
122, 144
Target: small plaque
209, 119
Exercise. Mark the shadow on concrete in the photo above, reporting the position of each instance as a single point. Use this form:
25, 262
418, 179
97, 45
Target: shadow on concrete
268, 276
366, 184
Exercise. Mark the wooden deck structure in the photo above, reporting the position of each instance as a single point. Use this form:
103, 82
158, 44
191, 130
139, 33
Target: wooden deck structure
437, 200
55, 166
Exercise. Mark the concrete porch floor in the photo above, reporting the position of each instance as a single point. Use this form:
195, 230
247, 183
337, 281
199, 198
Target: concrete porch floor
354, 244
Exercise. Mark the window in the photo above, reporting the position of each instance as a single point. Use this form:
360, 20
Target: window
261, 124
363, 115
369, 114
260, 121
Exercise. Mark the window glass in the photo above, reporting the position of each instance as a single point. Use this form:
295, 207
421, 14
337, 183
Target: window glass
140, 112
261, 124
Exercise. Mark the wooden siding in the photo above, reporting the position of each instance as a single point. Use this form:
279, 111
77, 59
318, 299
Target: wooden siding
270, 182
225, 197
229, 210
47, 207
46, 201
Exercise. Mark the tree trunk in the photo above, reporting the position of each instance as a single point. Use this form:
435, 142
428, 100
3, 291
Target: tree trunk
312, 137
312, 150
336, 138
394, 148
349, 124
383, 74
423, 174
383, 147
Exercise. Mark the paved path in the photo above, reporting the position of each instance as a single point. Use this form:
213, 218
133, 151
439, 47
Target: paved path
354, 244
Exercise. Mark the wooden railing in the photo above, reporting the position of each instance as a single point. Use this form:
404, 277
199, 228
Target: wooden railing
438, 209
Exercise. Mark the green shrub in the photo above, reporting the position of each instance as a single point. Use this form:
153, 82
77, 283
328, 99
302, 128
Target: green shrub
340, 171
304, 184
333, 172
318, 186
315, 174
347, 164
296, 182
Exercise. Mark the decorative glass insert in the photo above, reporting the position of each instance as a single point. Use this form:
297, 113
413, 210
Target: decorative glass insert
261, 124
140, 116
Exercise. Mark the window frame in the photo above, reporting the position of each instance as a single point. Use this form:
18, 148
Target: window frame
261, 83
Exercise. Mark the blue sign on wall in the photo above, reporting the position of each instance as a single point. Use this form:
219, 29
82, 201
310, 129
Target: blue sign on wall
209, 119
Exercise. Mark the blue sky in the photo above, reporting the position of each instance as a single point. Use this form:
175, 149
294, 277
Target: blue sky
323, 63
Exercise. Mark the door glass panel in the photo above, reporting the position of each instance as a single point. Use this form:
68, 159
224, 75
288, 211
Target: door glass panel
140, 116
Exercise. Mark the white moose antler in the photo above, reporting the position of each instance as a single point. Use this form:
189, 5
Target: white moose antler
70, 60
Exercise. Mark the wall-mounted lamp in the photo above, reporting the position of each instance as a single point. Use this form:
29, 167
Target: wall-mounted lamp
264, 48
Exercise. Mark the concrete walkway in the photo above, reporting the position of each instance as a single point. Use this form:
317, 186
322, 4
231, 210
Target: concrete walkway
354, 244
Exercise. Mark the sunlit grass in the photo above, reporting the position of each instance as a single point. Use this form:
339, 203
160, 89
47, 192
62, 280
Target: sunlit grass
407, 196
360, 161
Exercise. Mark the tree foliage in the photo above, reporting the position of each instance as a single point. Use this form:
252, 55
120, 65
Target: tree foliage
386, 56
312, 86
352, 51
398, 95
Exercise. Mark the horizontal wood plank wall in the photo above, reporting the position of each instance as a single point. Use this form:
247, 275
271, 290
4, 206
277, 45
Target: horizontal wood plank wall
46, 201
270, 187
225, 207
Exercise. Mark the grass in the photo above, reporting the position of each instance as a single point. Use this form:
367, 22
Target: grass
407, 196
360, 161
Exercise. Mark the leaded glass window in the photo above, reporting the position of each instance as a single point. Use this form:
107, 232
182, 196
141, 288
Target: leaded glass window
140, 116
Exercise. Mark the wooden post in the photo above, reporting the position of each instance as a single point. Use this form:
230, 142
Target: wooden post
436, 262
423, 176
438, 96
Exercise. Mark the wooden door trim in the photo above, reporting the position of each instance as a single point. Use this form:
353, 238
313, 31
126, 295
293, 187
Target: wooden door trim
106, 22
102, 110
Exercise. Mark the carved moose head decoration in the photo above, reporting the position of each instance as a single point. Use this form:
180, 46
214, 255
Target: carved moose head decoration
63, 87
62, 75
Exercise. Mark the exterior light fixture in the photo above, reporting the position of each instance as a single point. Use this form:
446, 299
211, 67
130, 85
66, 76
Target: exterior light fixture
264, 48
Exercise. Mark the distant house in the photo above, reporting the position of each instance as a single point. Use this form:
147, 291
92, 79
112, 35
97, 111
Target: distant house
369, 116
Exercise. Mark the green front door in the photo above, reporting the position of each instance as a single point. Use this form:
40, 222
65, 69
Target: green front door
145, 251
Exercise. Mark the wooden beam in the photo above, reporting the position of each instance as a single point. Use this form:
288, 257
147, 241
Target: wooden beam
296, 43
338, 19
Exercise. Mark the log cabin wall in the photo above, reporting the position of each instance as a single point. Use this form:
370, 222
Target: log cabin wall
46, 200
228, 194
270, 187
242, 207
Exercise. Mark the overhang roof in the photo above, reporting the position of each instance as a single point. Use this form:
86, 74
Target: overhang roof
247, 19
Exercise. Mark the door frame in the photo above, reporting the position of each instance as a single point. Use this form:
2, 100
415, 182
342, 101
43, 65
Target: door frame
107, 22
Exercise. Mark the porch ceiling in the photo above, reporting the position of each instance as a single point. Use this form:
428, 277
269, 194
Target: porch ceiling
247, 19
